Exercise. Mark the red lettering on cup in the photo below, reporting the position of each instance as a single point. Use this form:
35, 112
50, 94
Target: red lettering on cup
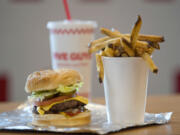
86, 55
74, 56
80, 56
61, 56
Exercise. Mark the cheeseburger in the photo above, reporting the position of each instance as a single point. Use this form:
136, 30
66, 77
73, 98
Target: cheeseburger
55, 98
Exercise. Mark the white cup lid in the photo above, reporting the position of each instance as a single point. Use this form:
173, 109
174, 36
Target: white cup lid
71, 24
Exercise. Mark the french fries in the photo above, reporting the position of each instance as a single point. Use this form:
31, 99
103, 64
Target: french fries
100, 69
124, 54
135, 32
109, 51
150, 50
126, 47
117, 44
154, 45
102, 53
139, 51
152, 38
101, 45
91, 44
116, 34
112, 34
150, 62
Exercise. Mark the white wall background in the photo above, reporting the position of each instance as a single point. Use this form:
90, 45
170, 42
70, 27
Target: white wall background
24, 39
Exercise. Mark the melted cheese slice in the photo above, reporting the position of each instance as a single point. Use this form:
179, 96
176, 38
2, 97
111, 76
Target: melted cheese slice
42, 109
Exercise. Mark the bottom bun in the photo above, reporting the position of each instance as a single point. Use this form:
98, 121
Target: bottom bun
80, 119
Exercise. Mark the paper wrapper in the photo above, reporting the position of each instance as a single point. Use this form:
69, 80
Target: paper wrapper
20, 119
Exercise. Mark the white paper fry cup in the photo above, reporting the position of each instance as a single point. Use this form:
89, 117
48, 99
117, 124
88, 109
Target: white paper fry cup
68, 45
125, 85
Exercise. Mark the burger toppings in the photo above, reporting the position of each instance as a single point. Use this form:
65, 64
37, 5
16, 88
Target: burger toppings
70, 88
55, 99
61, 90
43, 109
63, 100
71, 106
73, 112
66, 106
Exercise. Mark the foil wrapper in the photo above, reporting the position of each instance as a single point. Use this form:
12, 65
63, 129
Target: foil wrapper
20, 119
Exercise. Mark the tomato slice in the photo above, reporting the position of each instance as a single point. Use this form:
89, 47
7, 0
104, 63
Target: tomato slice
50, 101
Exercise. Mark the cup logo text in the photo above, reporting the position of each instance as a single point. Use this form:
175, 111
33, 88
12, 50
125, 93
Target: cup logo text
74, 56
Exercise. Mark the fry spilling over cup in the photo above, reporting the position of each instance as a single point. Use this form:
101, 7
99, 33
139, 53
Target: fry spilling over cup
122, 63
68, 45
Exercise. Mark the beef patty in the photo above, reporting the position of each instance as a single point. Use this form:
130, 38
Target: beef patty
61, 107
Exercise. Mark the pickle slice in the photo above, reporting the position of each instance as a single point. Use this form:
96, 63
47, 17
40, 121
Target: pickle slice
70, 88
44, 94
65, 90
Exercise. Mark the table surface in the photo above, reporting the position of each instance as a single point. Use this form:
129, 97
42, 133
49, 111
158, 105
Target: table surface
155, 104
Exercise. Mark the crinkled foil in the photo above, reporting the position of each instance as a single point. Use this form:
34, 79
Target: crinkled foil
20, 119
